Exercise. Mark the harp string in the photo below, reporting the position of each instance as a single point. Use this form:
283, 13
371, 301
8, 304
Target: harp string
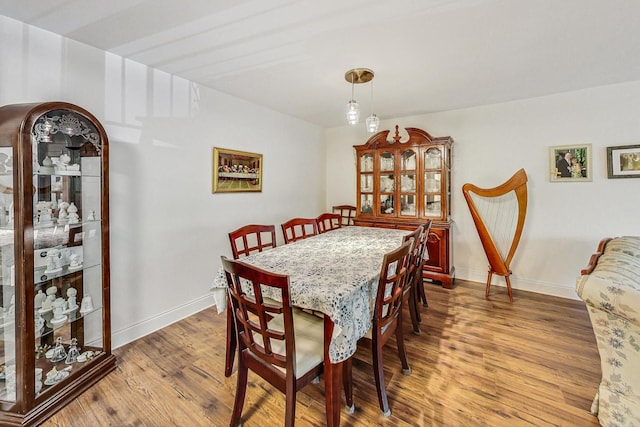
500, 216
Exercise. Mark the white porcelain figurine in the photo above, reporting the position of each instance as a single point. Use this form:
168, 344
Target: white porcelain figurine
86, 305
75, 262
53, 261
47, 166
71, 298
73, 213
39, 299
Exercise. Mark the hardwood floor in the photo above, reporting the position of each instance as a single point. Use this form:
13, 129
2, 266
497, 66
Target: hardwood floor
477, 362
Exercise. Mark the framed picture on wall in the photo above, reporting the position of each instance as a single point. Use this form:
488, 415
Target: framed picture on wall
236, 171
570, 163
623, 161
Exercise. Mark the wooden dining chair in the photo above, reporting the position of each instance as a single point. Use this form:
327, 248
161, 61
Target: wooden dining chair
299, 228
252, 238
346, 212
387, 320
414, 268
283, 346
328, 221
245, 241
422, 259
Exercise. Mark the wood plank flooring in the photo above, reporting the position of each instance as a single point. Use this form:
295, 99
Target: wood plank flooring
478, 362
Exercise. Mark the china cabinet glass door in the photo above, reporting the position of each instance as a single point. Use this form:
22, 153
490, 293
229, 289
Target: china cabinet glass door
408, 163
387, 183
433, 183
366, 183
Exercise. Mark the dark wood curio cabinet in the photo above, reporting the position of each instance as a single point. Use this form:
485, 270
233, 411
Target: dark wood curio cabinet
55, 335
402, 184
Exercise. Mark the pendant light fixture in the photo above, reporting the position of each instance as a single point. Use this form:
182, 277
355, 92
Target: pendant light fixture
372, 121
353, 108
356, 76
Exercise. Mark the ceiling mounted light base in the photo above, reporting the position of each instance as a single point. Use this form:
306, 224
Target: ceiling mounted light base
358, 75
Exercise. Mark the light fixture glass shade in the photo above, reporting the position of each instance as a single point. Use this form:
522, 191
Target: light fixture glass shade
353, 112
372, 123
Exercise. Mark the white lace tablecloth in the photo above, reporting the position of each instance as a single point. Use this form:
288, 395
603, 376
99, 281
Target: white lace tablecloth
335, 273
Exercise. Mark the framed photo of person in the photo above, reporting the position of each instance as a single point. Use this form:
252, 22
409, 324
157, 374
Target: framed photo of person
623, 161
236, 171
570, 163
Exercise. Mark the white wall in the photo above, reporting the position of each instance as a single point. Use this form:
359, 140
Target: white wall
565, 221
167, 229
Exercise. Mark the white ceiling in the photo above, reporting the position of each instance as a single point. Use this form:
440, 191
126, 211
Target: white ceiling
427, 55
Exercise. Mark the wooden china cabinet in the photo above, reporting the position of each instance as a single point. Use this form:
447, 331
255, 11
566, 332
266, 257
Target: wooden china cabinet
55, 335
402, 184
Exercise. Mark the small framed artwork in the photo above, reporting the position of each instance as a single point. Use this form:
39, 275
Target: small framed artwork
623, 161
236, 171
570, 163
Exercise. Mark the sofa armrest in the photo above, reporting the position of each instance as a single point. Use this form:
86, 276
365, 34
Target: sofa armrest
593, 261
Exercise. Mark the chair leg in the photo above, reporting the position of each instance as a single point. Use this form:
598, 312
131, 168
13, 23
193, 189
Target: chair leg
378, 373
416, 299
422, 296
402, 351
241, 390
420, 289
290, 405
230, 352
413, 311
347, 384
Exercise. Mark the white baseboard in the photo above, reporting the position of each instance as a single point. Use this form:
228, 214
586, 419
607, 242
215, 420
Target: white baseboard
522, 283
161, 320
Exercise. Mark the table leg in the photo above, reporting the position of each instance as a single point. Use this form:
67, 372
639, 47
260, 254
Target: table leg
332, 378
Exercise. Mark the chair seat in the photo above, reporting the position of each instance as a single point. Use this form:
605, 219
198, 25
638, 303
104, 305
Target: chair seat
309, 339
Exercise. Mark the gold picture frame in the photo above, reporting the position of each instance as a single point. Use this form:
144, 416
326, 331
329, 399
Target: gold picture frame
236, 171
570, 163
623, 161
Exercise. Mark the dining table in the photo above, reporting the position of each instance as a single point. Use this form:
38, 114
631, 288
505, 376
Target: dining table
334, 273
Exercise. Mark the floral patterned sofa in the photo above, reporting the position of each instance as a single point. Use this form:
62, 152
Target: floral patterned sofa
610, 288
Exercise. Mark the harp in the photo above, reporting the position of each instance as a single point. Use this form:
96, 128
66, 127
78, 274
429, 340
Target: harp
498, 214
